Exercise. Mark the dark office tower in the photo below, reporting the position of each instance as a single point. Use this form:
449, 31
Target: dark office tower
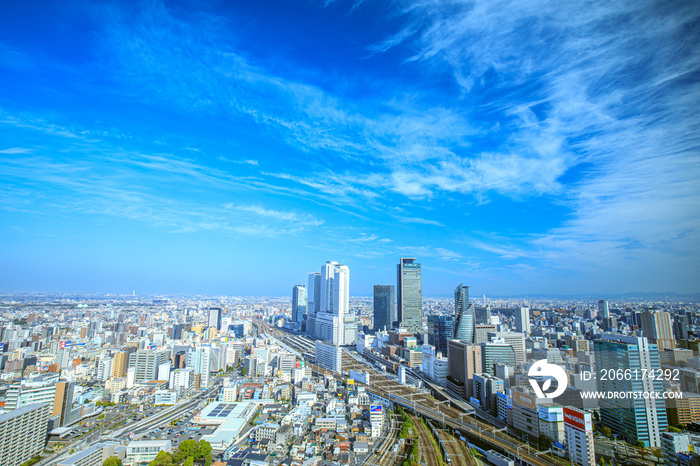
410, 295
313, 296
384, 307
63, 401
177, 331
215, 317
180, 360
464, 315
482, 315
441, 329
299, 303
603, 309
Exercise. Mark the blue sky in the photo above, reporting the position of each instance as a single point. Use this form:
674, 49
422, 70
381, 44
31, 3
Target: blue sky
232, 147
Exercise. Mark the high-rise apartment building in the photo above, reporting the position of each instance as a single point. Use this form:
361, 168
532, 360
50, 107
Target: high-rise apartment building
199, 359
465, 320
440, 331
409, 295
299, 303
522, 320
120, 364
23, 433
384, 307
578, 425
636, 419
215, 317
177, 331
656, 326
29, 391
603, 309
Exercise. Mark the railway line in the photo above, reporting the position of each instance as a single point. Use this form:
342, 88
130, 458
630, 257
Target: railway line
422, 403
428, 452
384, 455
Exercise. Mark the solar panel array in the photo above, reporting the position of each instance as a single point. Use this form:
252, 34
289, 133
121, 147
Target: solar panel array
222, 410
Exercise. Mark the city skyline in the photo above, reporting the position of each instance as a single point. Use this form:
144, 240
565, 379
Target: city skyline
518, 147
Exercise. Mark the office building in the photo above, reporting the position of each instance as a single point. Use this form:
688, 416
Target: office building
465, 320
199, 359
656, 326
496, 351
177, 332
522, 320
334, 295
440, 331
526, 419
482, 315
299, 303
23, 433
384, 307
313, 299
673, 444
215, 317
552, 422
145, 451
328, 356
182, 381
145, 364
63, 402
463, 361
683, 411
516, 340
485, 389
578, 425
635, 419
603, 309
481, 333
409, 295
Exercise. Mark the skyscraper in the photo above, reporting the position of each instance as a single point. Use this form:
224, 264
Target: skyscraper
384, 307
199, 359
410, 295
603, 309
313, 307
522, 320
299, 303
331, 320
441, 329
464, 315
63, 401
23, 433
636, 419
215, 317
463, 361
145, 363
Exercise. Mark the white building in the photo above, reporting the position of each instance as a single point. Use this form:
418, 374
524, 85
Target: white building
522, 320
23, 433
199, 359
182, 380
165, 397
376, 419
104, 369
145, 451
328, 356
578, 425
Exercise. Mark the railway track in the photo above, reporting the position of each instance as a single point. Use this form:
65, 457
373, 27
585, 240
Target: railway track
426, 447
422, 403
384, 455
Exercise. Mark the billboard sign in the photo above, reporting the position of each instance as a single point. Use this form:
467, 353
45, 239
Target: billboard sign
524, 400
551, 413
375, 409
64, 344
578, 419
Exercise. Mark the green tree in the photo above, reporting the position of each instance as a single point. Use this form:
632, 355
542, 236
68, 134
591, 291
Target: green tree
544, 443
244, 371
606, 431
674, 429
640, 444
112, 461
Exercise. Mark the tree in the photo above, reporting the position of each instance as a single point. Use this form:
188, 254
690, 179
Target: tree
640, 444
673, 429
606, 431
244, 371
112, 461
602, 461
544, 443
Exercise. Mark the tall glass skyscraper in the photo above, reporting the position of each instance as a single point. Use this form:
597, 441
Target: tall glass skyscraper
384, 307
636, 419
441, 329
464, 315
299, 303
313, 300
409, 295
